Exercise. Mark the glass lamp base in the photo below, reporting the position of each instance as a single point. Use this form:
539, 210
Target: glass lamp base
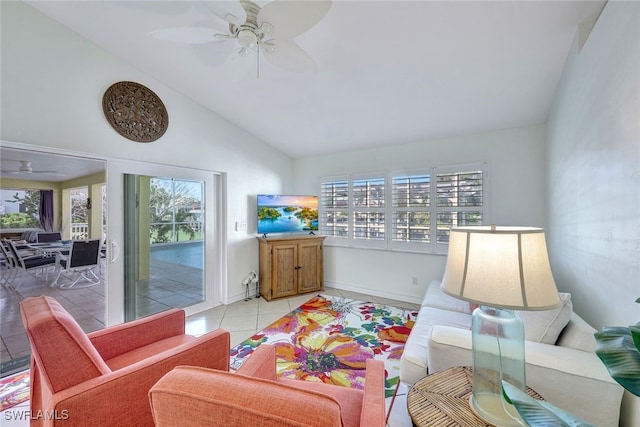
498, 354
490, 408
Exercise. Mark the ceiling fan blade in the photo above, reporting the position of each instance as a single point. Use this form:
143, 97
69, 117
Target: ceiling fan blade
191, 35
227, 10
288, 55
292, 18
164, 8
19, 172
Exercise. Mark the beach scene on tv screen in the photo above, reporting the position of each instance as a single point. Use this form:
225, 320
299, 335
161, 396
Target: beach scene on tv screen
283, 214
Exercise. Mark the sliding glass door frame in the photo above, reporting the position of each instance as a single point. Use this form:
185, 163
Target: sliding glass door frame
215, 232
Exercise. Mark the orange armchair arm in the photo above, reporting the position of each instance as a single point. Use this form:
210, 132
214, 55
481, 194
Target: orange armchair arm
261, 363
373, 405
119, 339
101, 401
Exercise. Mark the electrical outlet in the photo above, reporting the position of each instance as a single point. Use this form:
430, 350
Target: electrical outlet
414, 280
241, 226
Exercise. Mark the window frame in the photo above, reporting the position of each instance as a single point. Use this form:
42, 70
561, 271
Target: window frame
389, 211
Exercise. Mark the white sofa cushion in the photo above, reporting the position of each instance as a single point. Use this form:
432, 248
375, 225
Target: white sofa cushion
578, 334
545, 326
436, 298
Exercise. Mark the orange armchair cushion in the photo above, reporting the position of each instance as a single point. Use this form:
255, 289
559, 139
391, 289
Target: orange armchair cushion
147, 351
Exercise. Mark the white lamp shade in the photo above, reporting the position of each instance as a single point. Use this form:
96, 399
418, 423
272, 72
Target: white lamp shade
506, 267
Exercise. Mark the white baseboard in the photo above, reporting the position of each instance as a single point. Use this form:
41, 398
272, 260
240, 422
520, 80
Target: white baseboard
346, 287
239, 297
377, 293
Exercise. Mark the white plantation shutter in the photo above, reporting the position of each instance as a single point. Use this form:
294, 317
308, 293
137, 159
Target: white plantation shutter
411, 203
368, 208
334, 208
460, 202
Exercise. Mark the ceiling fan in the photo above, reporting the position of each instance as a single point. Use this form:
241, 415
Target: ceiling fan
266, 30
25, 168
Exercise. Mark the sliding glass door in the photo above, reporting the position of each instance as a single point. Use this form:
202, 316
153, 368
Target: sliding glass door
168, 244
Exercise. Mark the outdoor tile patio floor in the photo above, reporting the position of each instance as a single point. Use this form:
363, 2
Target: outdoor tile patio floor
242, 319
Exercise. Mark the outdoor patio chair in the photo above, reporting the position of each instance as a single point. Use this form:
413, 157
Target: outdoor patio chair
30, 264
103, 378
8, 265
83, 257
30, 236
48, 237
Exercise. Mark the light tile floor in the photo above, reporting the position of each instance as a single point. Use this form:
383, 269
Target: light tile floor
243, 319
86, 305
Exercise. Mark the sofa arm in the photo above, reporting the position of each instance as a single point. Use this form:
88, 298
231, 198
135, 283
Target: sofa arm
117, 398
119, 339
373, 405
571, 379
448, 347
261, 363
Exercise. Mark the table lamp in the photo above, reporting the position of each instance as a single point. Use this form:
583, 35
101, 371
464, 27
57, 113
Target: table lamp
500, 269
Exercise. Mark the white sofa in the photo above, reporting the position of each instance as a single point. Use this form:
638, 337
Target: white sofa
559, 350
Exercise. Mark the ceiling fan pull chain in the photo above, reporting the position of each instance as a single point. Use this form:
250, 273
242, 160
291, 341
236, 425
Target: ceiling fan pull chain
258, 61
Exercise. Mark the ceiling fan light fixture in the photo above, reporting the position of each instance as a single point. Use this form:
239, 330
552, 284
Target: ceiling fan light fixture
25, 166
269, 47
232, 19
265, 28
247, 39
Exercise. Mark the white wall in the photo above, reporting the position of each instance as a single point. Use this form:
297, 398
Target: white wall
516, 160
52, 86
594, 170
594, 175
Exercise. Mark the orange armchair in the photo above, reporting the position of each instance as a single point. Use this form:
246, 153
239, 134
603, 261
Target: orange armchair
103, 378
253, 396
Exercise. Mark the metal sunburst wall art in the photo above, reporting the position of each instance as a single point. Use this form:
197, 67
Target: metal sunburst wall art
135, 111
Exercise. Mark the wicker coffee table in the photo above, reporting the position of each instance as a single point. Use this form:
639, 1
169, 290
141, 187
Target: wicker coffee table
442, 399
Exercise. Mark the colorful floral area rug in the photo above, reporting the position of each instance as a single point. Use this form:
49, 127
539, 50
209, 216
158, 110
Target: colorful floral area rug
14, 389
330, 339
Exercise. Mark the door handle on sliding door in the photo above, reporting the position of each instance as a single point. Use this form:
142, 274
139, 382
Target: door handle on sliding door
114, 251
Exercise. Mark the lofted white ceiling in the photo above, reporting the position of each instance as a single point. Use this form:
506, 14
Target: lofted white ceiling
390, 72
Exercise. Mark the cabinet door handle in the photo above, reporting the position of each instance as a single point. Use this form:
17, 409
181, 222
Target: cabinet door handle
297, 268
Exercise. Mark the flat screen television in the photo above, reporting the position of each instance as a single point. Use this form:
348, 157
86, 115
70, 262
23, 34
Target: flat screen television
279, 213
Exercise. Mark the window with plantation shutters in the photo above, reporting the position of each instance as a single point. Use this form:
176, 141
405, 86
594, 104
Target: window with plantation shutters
408, 211
411, 202
460, 201
334, 204
368, 208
